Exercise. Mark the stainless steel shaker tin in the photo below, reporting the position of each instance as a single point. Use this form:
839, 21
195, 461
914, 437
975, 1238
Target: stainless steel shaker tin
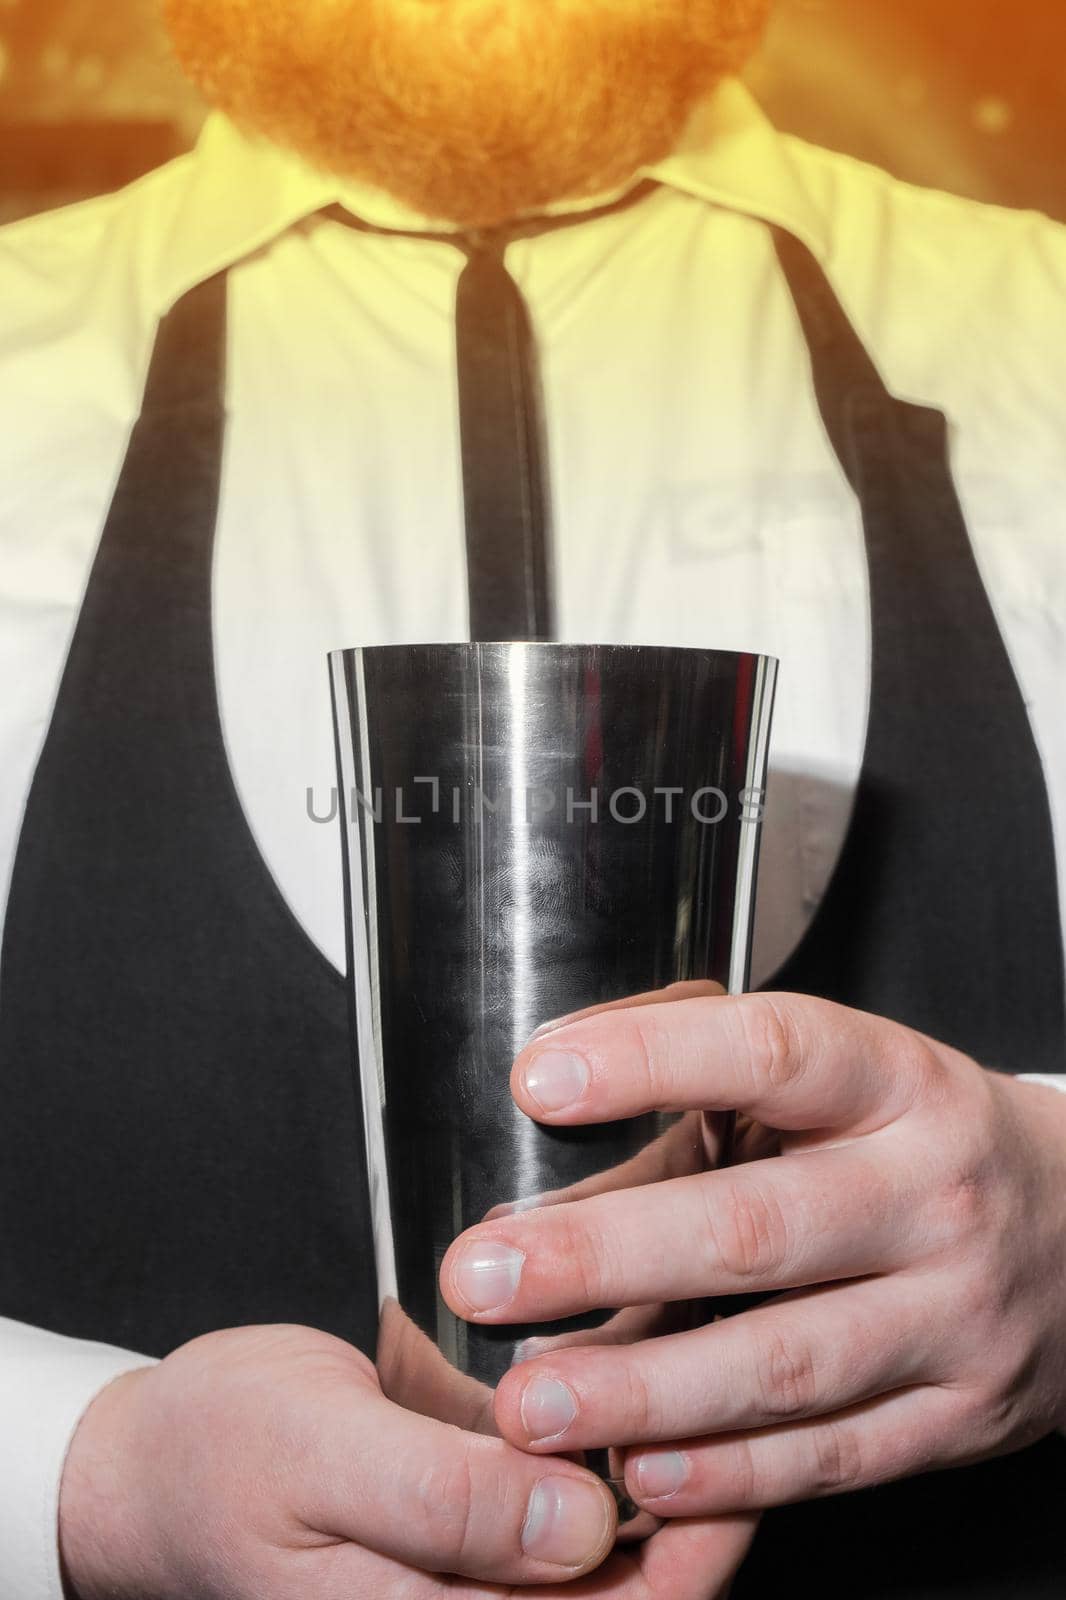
529, 829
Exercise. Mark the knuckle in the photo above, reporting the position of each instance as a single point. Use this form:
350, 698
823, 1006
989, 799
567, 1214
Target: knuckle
742, 1477
983, 1121
986, 1416
584, 1261
919, 1072
752, 1239
837, 1458
647, 1049
1007, 1414
772, 1041
982, 1302
982, 1416
965, 1206
641, 1403
445, 1498
789, 1381
962, 1199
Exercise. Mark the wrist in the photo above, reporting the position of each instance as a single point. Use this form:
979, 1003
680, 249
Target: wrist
100, 1553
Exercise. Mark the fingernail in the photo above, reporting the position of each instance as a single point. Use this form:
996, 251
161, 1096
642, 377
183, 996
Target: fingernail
661, 1474
486, 1275
549, 1027
511, 1208
548, 1408
554, 1079
567, 1522
528, 1350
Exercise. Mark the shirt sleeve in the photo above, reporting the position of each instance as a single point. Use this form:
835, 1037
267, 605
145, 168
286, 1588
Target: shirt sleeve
47, 1383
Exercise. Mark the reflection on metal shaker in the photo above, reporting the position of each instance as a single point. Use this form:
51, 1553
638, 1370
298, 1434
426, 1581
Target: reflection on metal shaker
529, 829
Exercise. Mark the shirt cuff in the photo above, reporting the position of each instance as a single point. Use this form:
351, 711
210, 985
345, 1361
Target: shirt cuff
47, 1384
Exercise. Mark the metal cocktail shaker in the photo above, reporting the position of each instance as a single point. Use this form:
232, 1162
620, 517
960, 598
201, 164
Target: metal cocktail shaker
529, 829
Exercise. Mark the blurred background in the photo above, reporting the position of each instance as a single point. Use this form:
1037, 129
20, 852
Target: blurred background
965, 95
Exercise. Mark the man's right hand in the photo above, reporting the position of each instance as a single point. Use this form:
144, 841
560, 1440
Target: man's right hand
259, 1463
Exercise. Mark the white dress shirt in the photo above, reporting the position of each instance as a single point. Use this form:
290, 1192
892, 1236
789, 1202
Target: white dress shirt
696, 499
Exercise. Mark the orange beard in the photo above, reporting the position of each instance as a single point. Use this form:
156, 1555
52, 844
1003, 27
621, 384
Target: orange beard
471, 110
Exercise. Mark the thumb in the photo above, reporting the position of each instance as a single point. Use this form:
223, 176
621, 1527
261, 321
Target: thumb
428, 1494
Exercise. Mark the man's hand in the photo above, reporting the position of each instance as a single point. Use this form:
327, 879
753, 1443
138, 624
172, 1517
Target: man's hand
910, 1224
262, 1463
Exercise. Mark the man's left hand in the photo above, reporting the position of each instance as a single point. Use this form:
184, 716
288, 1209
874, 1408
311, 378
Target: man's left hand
906, 1214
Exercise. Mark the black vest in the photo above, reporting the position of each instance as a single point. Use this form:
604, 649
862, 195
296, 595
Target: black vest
181, 1149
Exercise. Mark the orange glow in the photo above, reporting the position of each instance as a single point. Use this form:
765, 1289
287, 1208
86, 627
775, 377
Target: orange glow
472, 110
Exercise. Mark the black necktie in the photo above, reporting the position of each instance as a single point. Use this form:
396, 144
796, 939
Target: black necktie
506, 486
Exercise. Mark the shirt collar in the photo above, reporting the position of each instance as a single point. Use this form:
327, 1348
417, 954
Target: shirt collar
241, 192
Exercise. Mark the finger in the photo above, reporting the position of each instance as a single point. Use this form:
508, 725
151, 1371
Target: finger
798, 1357
685, 989
698, 1559
625, 1327
635, 1324
891, 1437
693, 1559
780, 1224
674, 1154
789, 1061
629, 1326
689, 1560
442, 1500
